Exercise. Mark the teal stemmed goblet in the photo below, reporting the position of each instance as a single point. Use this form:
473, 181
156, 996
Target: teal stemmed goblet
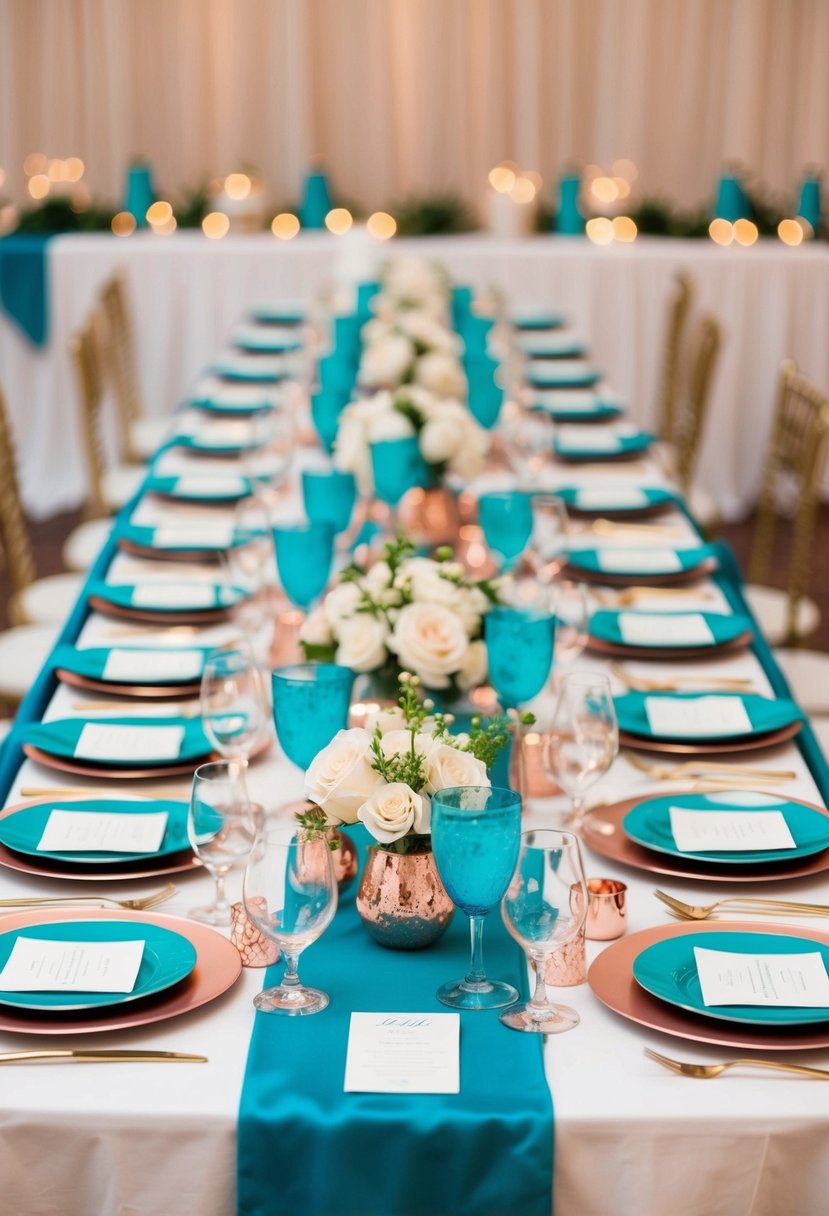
397, 467
304, 552
476, 832
310, 704
507, 520
329, 496
519, 644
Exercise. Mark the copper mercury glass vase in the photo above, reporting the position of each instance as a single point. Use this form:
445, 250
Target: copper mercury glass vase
401, 900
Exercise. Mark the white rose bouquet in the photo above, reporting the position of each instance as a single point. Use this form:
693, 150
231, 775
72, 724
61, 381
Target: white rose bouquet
385, 778
451, 442
420, 614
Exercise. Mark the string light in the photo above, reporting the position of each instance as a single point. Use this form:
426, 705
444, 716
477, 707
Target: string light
790, 232
237, 185
502, 178
285, 226
123, 224
523, 191
624, 229
39, 185
338, 220
75, 169
605, 189
721, 231
745, 232
599, 230
34, 163
159, 214
381, 225
215, 225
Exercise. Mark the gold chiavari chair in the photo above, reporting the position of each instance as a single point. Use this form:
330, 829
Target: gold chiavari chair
795, 463
678, 311
689, 422
139, 436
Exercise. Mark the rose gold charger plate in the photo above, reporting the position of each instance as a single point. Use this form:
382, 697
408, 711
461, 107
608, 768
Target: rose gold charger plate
158, 692
178, 769
618, 847
145, 616
218, 967
628, 513
678, 578
172, 863
658, 654
709, 747
611, 980
169, 555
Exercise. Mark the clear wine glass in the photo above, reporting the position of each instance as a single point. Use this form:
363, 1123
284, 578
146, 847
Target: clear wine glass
570, 607
582, 737
290, 894
233, 707
475, 837
221, 826
528, 436
544, 908
548, 539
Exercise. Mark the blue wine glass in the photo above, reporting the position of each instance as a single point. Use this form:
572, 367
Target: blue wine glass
506, 517
397, 467
485, 396
329, 496
304, 552
475, 332
310, 704
519, 644
326, 407
476, 832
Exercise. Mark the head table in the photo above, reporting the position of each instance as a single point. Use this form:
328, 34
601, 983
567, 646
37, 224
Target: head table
629, 1136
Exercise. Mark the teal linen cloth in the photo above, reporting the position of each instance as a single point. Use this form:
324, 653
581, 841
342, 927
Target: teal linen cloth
24, 278
487, 1151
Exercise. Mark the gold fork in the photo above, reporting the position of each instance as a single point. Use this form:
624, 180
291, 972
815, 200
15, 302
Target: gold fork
631, 594
768, 906
643, 684
139, 904
702, 768
610, 527
706, 1071
191, 709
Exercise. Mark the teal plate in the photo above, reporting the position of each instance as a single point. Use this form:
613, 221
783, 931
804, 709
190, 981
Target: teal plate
168, 959
668, 970
646, 500
532, 320
230, 407
22, 829
91, 661
143, 536
601, 411
724, 628
553, 373
247, 375
60, 738
266, 345
570, 348
765, 715
649, 824
689, 559
192, 443
627, 445
186, 488
275, 314
121, 596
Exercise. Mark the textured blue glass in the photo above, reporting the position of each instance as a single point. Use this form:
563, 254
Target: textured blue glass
519, 647
507, 520
476, 833
485, 397
303, 560
310, 704
329, 496
347, 336
326, 407
397, 466
337, 373
475, 332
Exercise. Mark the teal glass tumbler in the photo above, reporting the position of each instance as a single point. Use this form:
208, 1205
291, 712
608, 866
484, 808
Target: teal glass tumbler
397, 467
506, 517
329, 496
304, 552
519, 646
311, 702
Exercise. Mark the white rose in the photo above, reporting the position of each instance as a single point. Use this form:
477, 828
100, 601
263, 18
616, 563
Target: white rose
447, 767
425, 581
470, 458
442, 373
390, 425
428, 332
377, 578
440, 440
340, 777
386, 720
393, 810
430, 640
351, 451
400, 742
362, 642
386, 362
341, 603
474, 667
316, 629
376, 330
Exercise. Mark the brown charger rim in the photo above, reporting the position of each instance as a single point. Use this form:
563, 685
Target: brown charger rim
680, 578
165, 692
148, 617
63, 765
753, 743
611, 981
168, 555
657, 654
604, 457
648, 512
618, 847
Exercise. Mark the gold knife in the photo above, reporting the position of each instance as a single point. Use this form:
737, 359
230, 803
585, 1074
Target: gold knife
95, 1056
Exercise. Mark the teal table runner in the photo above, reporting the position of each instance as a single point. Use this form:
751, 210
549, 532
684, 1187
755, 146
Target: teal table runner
24, 284
487, 1151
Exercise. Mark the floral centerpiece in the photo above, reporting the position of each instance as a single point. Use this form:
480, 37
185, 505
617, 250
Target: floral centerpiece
420, 614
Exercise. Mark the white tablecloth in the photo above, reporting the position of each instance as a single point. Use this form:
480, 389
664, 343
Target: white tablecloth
187, 291
630, 1137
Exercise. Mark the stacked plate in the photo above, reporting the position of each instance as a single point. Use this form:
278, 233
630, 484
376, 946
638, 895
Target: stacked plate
667, 635
219, 488
166, 602
616, 501
651, 565
579, 444
561, 373
182, 541
135, 671
702, 723
119, 746
576, 405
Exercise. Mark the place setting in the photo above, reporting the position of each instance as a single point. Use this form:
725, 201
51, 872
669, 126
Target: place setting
183, 541
221, 489
576, 405
618, 501
135, 671
166, 602
560, 373
118, 746
266, 339
667, 636
656, 565
699, 723
579, 444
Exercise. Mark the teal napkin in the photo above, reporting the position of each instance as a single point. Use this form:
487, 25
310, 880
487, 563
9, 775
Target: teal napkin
91, 662
605, 625
60, 738
689, 559
764, 714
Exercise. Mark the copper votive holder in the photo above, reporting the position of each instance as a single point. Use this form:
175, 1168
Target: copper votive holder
606, 909
256, 949
567, 966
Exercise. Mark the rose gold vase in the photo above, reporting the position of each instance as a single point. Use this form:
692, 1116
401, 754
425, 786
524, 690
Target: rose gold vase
430, 517
401, 900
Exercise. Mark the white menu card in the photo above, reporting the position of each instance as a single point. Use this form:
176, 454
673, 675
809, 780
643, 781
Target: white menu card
149, 666
645, 561
103, 832
173, 595
47, 966
188, 536
729, 831
697, 717
727, 978
403, 1053
107, 741
662, 629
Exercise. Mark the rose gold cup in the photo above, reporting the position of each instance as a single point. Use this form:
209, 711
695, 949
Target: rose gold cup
567, 966
256, 949
606, 909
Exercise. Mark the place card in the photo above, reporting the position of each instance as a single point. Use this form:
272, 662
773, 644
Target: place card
210, 487
598, 498
573, 400
573, 439
186, 536
107, 742
661, 629
102, 832
153, 666
36, 965
643, 561
173, 595
729, 831
403, 1053
225, 434
728, 978
564, 369
697, 717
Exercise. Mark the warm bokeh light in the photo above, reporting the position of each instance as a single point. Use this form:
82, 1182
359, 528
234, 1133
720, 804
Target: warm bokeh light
34, 163
215, 225
535, 177
237, 185
502, 178
805, 227
123, 224
790, 232
381, 225
8, 217
159, 214
285, 225
622, 186
56, 170
745, 232
721, 232
338, 220
625, 168
592, 171
599, 230
624, 229
39, 185
523, 191
81, 197
75, 169
165, 229
605, 189
2, 178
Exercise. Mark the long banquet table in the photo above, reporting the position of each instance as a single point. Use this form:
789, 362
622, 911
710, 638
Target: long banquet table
629, 1136
773, 302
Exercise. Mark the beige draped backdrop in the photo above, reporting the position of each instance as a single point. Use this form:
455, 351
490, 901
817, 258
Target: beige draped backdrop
415, 95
